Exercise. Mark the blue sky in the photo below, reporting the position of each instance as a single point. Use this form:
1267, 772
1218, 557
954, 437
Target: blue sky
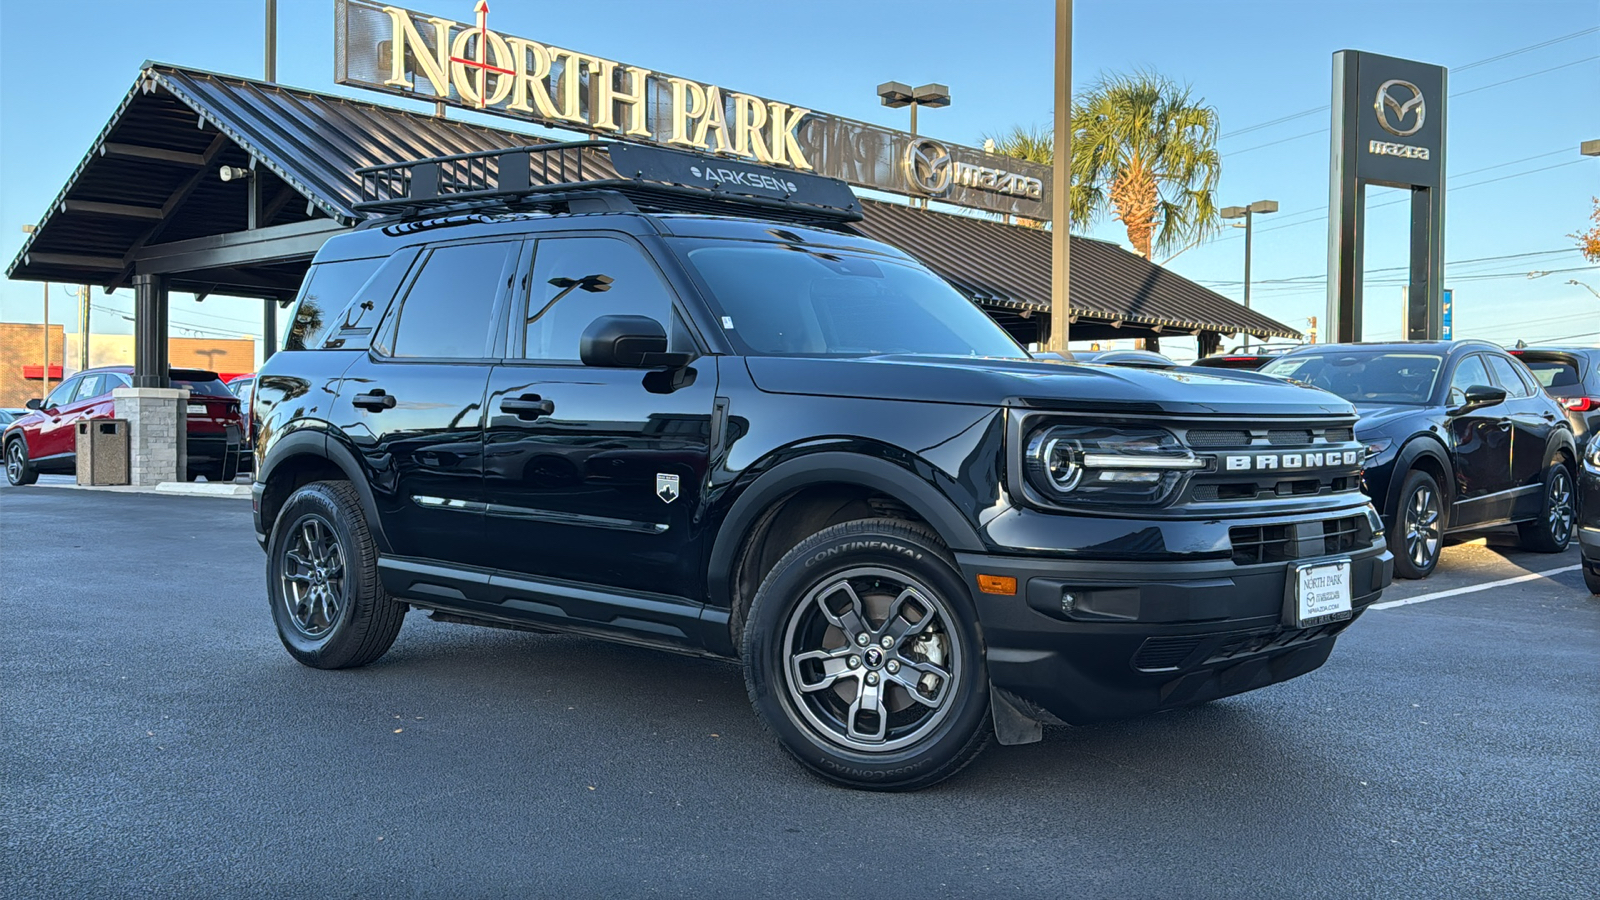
1517, 183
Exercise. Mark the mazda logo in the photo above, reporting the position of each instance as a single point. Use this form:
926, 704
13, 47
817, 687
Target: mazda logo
929, 166
1392, 113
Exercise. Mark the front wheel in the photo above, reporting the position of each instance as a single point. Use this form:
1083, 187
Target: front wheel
1417, 538
862, 656
19, 471
322, 580
1552, 531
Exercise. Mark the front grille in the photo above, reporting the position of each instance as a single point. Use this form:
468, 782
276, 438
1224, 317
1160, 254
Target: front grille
1254, 544
1164, 653
1296, 434
1285, 437
1247, 644
1339, 435
1206, 440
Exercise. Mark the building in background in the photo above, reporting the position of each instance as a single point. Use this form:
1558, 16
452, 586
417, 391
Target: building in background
22, 349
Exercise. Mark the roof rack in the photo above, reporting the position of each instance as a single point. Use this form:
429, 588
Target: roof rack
601, 176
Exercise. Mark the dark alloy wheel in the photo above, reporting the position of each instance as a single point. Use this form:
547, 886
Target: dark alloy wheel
322, 580
1552, 531
862, 657
19, 471
1418, 533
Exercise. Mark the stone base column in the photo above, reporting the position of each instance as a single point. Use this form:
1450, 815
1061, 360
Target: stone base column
158, 432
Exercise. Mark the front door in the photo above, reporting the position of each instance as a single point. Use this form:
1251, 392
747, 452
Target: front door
594, 475
413, 405
1482, 444
62, 410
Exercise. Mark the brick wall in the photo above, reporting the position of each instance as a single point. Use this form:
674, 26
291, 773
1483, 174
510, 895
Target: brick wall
22, 344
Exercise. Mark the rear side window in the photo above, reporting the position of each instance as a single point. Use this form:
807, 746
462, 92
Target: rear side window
449, 310
327, 290
212, 388
1506, 371
1554, 373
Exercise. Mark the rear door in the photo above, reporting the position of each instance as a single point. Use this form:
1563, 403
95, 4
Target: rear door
604, 484
413, 404
1482, 449
1532, 416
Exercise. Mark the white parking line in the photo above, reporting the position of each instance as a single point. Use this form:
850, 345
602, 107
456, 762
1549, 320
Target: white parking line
1439, 595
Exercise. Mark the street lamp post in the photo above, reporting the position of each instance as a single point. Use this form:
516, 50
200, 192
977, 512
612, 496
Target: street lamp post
1248, 213
44, 376
1590, 148
897, 94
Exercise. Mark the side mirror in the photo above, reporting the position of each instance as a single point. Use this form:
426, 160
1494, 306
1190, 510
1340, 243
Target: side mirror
35, 403
628, 342
1478, 396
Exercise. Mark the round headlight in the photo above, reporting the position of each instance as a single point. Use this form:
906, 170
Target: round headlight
1060, 460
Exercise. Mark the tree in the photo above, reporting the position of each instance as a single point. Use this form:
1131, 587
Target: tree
1144, 151
1589, 241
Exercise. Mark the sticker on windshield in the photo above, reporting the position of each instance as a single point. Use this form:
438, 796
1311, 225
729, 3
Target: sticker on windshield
727, 322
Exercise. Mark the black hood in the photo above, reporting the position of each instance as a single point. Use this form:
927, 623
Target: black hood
996, 382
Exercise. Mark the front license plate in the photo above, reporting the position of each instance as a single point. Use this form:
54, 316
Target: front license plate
1321, 593
197, 409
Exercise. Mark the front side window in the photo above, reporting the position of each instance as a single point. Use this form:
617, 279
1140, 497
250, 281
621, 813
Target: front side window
1363, 376
1469, 373
62, 395
1510, 378
327, 290
787, 299
577, 280
449, 309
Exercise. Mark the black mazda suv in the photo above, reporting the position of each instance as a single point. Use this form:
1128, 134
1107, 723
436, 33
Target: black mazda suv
1459, 437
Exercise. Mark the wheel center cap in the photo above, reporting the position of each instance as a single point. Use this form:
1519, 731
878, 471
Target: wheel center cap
874, 657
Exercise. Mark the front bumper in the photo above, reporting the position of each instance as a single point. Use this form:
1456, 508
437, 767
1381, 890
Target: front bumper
1147, 636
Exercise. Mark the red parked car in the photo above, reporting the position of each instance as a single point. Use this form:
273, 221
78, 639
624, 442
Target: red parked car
45, 440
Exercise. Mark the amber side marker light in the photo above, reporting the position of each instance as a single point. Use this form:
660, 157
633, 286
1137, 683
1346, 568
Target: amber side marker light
997, 584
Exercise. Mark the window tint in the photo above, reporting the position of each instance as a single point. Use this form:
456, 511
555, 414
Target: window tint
1361, 375
1468, 373
576, 280
448, 311
89, 387
1506, 371
1554, 372
211, 388
367, 306
62, 395
327, 290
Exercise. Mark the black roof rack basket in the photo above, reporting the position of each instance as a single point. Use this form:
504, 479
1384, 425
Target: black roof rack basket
602, 176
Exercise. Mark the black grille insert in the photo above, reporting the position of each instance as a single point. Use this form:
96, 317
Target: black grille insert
1287, 437
1253, 544
1159, 654
1206, 440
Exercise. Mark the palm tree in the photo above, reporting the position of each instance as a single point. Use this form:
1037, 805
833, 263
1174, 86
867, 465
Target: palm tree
1144, 150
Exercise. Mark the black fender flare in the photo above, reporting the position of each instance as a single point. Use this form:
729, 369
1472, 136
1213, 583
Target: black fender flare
318, 443
1416, 447
830, 467
1560, 439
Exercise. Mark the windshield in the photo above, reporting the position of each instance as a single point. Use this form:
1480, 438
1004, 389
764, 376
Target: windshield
1363, 376
788, 300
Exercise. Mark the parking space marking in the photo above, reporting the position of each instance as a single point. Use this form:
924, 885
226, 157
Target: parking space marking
1439, 595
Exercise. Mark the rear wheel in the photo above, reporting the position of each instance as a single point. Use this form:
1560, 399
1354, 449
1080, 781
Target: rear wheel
322, 580
1552, 531
19, 470
1417, 537
1591, 575
861, 655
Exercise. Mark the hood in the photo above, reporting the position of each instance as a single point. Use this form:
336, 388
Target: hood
992, 382
1376, 416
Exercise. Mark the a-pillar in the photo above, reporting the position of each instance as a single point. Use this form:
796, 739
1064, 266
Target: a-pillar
156, 412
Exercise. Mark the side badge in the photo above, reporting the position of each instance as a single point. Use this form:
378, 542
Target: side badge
666, 487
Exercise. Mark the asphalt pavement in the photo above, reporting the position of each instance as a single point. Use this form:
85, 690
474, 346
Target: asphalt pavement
157, 741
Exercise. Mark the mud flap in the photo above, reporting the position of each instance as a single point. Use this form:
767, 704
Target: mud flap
1012, 725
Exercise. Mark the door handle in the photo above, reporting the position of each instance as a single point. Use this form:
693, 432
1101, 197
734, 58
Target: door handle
528, 407
376, 401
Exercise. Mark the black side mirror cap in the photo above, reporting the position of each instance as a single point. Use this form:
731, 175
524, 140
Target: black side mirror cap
35, 403
1478, 396
628, 342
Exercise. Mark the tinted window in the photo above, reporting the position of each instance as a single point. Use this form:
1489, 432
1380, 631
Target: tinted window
577, 280
1510, 379
327, 290
212, 388
1363, 376
1470, 372
1554, 373
449, 308
367, 306
62, 395
782, 299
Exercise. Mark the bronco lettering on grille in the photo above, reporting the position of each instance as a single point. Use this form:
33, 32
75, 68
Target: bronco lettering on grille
1243, 463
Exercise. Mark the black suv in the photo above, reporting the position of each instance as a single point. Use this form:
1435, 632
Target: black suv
763, 437
1459, 437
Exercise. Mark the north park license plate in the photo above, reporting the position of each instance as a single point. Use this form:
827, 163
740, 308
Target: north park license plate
1321, 593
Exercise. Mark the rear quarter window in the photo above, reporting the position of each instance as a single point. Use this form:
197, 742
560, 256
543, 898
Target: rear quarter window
327, 291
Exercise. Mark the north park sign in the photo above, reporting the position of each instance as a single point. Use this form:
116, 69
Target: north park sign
469, 65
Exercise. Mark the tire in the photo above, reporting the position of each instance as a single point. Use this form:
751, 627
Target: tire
1552, 531
19, 469
816, 693
330, 609
1417, 538
1591, 576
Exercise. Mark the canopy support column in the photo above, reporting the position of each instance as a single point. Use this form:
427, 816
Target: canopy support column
150, 331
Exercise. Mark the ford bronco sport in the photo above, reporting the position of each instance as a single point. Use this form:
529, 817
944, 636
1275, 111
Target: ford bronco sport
725, 424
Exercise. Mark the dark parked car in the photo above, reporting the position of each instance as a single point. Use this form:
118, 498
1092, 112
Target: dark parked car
1459, 437
1572, 376
45, 440
760, 436
1246, 357
1589, 527
1138, 359
243, 387
7, 416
